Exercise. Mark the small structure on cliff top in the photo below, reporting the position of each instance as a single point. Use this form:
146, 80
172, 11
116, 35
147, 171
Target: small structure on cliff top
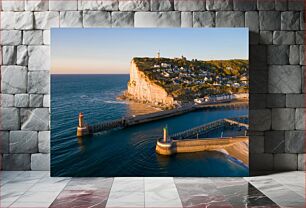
158, 55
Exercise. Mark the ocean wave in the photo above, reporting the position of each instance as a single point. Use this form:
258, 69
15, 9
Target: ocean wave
114, 102
84, 96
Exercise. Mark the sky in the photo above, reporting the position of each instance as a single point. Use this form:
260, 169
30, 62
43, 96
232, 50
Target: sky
110, 50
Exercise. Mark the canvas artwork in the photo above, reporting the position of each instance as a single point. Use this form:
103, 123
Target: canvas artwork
149, 102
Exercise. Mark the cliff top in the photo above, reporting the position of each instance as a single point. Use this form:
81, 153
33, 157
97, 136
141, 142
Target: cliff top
186, 79
147, 63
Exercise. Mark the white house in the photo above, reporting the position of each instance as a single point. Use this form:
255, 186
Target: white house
199, 100
236, 84
244, 80
165, 74
165, 65
241, 95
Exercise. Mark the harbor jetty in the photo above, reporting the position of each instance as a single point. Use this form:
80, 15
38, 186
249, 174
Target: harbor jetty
196, 145
241, 121
179, 142
86, 129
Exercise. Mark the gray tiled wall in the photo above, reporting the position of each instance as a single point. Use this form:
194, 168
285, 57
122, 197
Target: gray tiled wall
276, 68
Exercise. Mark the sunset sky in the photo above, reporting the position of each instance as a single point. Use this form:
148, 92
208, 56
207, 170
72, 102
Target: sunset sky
109, 50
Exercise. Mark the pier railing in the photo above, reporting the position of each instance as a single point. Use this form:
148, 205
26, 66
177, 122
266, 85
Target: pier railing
106, 125
206, 128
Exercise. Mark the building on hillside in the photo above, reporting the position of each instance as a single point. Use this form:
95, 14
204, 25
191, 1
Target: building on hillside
165, 74
244, 80
165, 65
236, 84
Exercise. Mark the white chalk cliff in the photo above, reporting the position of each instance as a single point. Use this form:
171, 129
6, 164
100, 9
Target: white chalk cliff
141, 88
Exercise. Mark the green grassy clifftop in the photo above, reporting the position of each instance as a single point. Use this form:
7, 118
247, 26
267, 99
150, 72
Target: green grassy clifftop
188, 79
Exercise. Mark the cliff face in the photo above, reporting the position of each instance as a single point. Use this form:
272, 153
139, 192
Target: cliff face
141, 88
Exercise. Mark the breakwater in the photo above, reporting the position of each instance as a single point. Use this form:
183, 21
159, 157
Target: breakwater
181, 143
86, 129
196, 145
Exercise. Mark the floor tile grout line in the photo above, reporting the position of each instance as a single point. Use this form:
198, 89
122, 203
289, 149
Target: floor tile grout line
33, 186
25, 191
283, 185
267, 194
220, 191
244, 180
71, 178
178, 192
109, 191
256, 180
281, 206
144, 192
8, 182
14, 177
289, 187
61, 191
299, 194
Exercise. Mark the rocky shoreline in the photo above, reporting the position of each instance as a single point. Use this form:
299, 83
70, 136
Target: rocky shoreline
239, 151
125, 96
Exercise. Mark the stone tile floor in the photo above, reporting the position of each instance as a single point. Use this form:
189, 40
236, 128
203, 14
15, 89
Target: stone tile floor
37, 189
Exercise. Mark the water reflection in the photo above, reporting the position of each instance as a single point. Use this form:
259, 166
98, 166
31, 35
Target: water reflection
85, 141
81, 144
131, 151
163, 160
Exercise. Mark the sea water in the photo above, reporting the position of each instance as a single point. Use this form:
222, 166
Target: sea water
129, 151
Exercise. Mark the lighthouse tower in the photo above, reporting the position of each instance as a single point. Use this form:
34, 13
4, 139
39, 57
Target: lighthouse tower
158, 55
82, 129
81, 120
165, 137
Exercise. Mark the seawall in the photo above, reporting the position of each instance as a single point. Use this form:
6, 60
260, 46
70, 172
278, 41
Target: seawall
196, 145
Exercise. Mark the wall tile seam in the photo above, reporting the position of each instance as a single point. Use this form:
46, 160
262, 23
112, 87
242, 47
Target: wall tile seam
162, 11
96, 10
23, 107
274, 155
112, 19
23, 152
135, 10
83, 13
61, 26
278, 154
26, 85
284, 138
79, 7
34, 44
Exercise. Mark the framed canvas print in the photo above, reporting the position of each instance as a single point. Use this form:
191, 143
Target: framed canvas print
149, 102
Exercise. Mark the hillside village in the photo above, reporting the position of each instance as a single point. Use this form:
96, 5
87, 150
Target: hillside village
188, 80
